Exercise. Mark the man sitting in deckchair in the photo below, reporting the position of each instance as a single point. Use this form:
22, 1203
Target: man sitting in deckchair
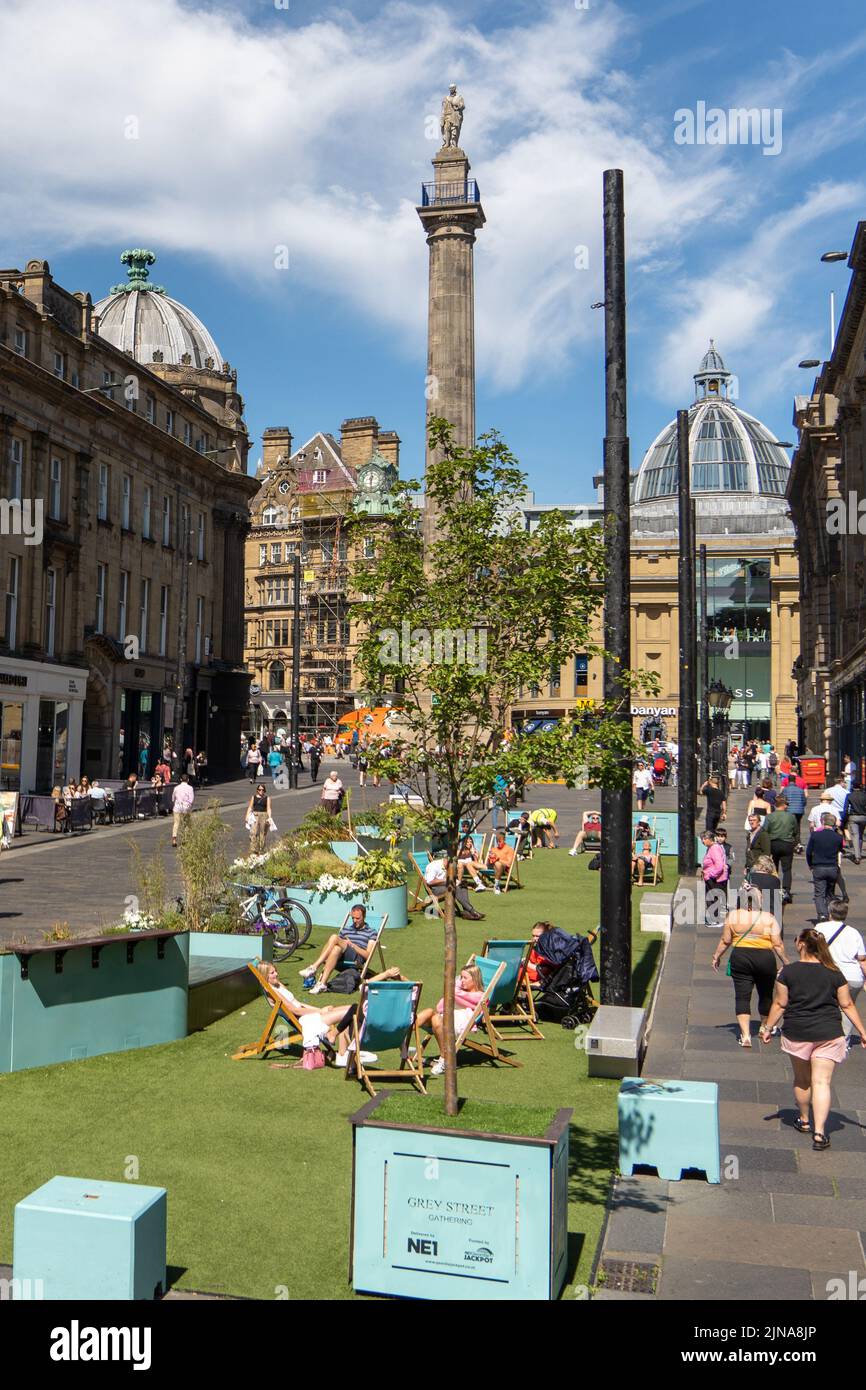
468, 991
499, 860
353, 945
643, 859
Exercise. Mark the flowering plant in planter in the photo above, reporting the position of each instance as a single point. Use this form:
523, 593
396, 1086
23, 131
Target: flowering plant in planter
327, 883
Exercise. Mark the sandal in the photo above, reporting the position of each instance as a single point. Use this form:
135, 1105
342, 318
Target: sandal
820, 1141
802, 1126
744, 1042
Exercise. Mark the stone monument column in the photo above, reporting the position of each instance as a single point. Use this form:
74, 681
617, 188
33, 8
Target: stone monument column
451, 214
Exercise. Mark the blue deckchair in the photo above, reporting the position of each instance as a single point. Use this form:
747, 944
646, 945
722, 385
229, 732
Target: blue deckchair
492, 972
511, 1000
378, 921
387, 1018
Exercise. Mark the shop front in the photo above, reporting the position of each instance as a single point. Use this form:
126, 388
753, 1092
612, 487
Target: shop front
41, 717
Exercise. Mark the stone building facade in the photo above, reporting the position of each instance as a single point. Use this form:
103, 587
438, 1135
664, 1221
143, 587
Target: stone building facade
826, 490
305, 498
739, 472
122, 623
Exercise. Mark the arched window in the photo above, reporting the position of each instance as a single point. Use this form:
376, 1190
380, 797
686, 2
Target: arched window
269, 516
277, 676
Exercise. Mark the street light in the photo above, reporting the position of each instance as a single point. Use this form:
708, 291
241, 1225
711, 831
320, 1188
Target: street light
832, 258
718, 698
809, 362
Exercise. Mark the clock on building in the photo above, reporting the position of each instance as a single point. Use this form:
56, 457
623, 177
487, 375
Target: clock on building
371, 480
284, 485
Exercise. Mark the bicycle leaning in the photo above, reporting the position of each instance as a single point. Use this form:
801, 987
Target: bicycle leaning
268, 907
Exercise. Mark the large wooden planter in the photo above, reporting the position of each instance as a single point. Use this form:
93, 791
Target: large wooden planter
457, 1214
329, 909
71, 999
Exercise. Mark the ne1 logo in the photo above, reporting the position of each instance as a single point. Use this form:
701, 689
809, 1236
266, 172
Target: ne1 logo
422, 1247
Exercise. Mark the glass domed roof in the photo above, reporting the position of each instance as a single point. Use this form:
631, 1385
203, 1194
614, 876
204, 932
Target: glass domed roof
730, 451
143, 321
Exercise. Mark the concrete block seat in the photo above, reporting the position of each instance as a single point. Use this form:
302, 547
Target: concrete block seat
79, 1238
672, 1126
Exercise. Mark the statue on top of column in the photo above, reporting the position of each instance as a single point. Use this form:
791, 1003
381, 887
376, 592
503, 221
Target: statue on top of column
452, 118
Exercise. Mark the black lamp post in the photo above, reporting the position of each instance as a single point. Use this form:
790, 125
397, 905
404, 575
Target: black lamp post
718, 700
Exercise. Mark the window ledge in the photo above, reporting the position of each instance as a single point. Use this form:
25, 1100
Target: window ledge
105, 523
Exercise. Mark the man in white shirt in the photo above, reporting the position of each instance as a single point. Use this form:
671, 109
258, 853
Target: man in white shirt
848, 952
181, 804
642, 782
826, 807
435, 876
839, 795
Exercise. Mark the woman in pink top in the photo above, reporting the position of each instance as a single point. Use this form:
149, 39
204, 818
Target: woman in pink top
467, 993
715, 873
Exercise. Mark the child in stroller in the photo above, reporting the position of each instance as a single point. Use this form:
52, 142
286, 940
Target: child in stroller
561, 969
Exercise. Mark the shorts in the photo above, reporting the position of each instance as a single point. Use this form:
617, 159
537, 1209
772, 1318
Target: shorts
461, 1018
351, 960
836, 1049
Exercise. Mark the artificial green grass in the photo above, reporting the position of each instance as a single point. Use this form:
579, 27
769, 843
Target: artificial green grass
257, 1162
481, 1116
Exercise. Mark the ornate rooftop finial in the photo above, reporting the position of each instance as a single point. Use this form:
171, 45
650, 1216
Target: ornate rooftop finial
138, 260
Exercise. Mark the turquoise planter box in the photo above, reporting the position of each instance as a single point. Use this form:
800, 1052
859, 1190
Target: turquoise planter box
76, 1238
346, 850
74, 999
446, 1214
329, 909
240, 948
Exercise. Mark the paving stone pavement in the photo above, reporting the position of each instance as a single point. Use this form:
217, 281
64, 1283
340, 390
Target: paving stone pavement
784, 1220
84, 879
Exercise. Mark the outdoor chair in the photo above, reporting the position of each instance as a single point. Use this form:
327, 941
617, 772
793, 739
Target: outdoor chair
656, 873
478, 838
124, 806
373, 920
491, 973
511, 1000
421, 896
279, 1009
513, 875
387, 1019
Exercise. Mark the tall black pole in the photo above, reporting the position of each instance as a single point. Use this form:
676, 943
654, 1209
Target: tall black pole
687, 783
706, 762
616, 802
294, 731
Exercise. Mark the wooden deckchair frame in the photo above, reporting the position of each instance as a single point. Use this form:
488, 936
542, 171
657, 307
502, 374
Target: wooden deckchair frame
522, 1006
481, 1013
377, 945
658, 873
513, 867
278, 1006
418, 904
411, 1066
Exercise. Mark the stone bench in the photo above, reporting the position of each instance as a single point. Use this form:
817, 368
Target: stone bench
614, 1043
656, 910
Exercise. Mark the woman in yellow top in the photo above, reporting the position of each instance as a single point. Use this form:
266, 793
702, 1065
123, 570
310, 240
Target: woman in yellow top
757, 954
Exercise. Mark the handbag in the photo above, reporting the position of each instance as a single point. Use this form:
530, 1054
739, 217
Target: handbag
313, 1059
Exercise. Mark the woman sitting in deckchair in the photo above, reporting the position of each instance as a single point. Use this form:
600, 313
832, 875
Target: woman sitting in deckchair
467, 992
333, 1018
469, 863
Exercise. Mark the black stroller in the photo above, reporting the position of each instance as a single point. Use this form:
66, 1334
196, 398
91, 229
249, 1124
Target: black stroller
565, 996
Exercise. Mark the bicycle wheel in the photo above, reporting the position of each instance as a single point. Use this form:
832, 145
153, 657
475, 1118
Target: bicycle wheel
297, 914
285, 936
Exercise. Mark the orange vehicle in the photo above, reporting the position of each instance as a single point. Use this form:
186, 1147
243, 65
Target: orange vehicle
370, 723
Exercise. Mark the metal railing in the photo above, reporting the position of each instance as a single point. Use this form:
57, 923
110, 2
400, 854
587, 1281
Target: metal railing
437, 195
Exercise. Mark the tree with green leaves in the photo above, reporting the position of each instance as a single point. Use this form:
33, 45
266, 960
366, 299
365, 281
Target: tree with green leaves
460, 629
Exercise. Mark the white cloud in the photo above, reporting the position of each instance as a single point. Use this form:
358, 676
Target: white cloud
311, 133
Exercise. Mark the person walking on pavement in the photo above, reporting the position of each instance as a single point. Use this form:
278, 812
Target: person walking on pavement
315, 760
855, 817
755, 941
757, 841
812, 994
781, 827
823, 854
254, 761
717, 806
715, 873
182, 799
795, 791
845, 945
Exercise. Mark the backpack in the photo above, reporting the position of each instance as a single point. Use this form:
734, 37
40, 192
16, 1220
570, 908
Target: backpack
346, 982
595, 862
773, 760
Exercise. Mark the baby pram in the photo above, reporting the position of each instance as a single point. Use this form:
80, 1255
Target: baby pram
564, 996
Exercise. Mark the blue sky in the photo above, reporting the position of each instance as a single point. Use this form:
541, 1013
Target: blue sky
258, 126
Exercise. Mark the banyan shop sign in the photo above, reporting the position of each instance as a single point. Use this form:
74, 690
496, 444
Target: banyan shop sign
653, 711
